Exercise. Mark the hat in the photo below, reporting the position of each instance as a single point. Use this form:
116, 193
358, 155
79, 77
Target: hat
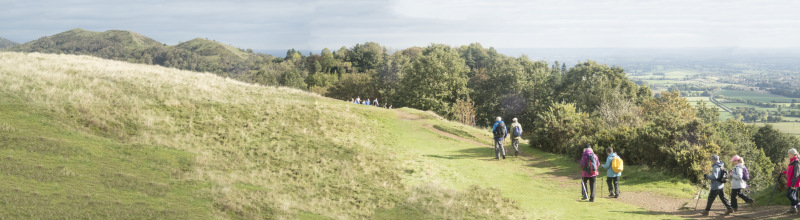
793, 151
588, 146
515, 119
499, 119
736, 158
714, 157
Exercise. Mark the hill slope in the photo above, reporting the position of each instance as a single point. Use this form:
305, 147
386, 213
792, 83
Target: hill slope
4, 43
84, 137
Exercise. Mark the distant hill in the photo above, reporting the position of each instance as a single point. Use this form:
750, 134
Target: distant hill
4, 43
196, 55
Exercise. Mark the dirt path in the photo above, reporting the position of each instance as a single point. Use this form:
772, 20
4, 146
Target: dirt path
654, 203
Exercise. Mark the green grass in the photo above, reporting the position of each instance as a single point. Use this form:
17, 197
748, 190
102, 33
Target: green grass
755, 96
529, 183
84, 138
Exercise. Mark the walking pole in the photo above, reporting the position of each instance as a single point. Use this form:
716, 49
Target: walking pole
777, 181
699, 194
584, 190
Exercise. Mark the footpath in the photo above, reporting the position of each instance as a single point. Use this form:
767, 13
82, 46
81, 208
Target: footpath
647, 204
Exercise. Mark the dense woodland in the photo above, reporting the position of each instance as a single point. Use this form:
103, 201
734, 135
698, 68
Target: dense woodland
562, 108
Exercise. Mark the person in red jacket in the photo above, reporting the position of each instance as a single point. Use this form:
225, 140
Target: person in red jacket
793, 179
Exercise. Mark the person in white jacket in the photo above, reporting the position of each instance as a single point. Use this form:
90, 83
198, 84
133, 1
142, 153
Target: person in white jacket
737, 183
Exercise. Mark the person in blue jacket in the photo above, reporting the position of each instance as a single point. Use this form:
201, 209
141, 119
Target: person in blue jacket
499, 130
366, 102
612, 178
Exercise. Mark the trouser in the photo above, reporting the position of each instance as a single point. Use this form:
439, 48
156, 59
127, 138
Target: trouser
588, 186
738, 193
613, 185
515, 143
498, 148
712, 195
792, 195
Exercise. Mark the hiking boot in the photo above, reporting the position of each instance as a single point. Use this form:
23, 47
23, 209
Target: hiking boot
610, 195
751, 203
704, 212
792, 211
729, 211
504, 157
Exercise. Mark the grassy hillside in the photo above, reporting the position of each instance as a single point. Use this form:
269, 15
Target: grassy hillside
211, 48
84, 137
4, 43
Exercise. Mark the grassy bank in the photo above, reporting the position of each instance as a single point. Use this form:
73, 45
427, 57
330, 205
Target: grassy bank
84, 137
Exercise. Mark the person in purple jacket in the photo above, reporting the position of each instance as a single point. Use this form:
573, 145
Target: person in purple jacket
589, 167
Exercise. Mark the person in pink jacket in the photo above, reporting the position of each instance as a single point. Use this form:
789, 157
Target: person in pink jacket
589, 167
793, 179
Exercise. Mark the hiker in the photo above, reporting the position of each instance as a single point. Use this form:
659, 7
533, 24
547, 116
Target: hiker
375, 103
500, 132
516, 134
718, 174
792, 181
589, 164
358, 99
738, 177
612, 178
366, 102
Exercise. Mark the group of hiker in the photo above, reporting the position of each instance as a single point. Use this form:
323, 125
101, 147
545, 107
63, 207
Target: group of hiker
501, 132
375, 102
739, 176
718, 176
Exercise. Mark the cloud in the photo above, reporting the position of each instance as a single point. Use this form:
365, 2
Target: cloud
404, 23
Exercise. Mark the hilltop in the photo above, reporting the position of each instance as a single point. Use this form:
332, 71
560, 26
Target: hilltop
4, 43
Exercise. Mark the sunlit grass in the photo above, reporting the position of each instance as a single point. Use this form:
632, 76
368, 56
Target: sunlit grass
84, 137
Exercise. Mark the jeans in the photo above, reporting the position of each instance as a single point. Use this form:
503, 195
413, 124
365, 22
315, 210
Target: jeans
792, 195
613, 185
738, 193
498, 148
712, 195
590, 186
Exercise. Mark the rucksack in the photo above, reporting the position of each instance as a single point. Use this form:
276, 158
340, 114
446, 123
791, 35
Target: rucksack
498, 131
723, 175
745, 174
517, 131
616, 164
590, 168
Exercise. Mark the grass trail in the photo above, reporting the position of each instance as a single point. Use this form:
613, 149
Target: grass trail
530, 182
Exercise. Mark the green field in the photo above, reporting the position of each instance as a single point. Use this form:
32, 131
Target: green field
87, 138
755, 96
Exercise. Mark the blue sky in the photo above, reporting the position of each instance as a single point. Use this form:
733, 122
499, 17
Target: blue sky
279, 25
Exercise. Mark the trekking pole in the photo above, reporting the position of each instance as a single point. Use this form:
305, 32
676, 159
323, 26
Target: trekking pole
699, 194
585, 195
777, 181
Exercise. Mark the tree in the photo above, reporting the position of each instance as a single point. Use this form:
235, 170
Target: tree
435, 80
588, 84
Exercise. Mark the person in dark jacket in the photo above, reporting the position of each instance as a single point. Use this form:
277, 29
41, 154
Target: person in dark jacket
499, 130
793, 179
716, 186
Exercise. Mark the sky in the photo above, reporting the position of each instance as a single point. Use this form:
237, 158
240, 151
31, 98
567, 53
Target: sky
399, 24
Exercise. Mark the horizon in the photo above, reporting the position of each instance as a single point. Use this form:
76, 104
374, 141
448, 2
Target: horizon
271, 25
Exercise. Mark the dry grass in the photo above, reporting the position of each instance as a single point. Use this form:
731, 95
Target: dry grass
257, 152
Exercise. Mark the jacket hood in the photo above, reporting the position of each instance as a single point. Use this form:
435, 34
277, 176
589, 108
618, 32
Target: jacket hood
587, 151
794, 158
719, 164
613, 154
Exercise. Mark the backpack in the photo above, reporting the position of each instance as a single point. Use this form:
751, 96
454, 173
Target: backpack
517, 131
723, 175
616, 164
590, 168
499, 130
745, 174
